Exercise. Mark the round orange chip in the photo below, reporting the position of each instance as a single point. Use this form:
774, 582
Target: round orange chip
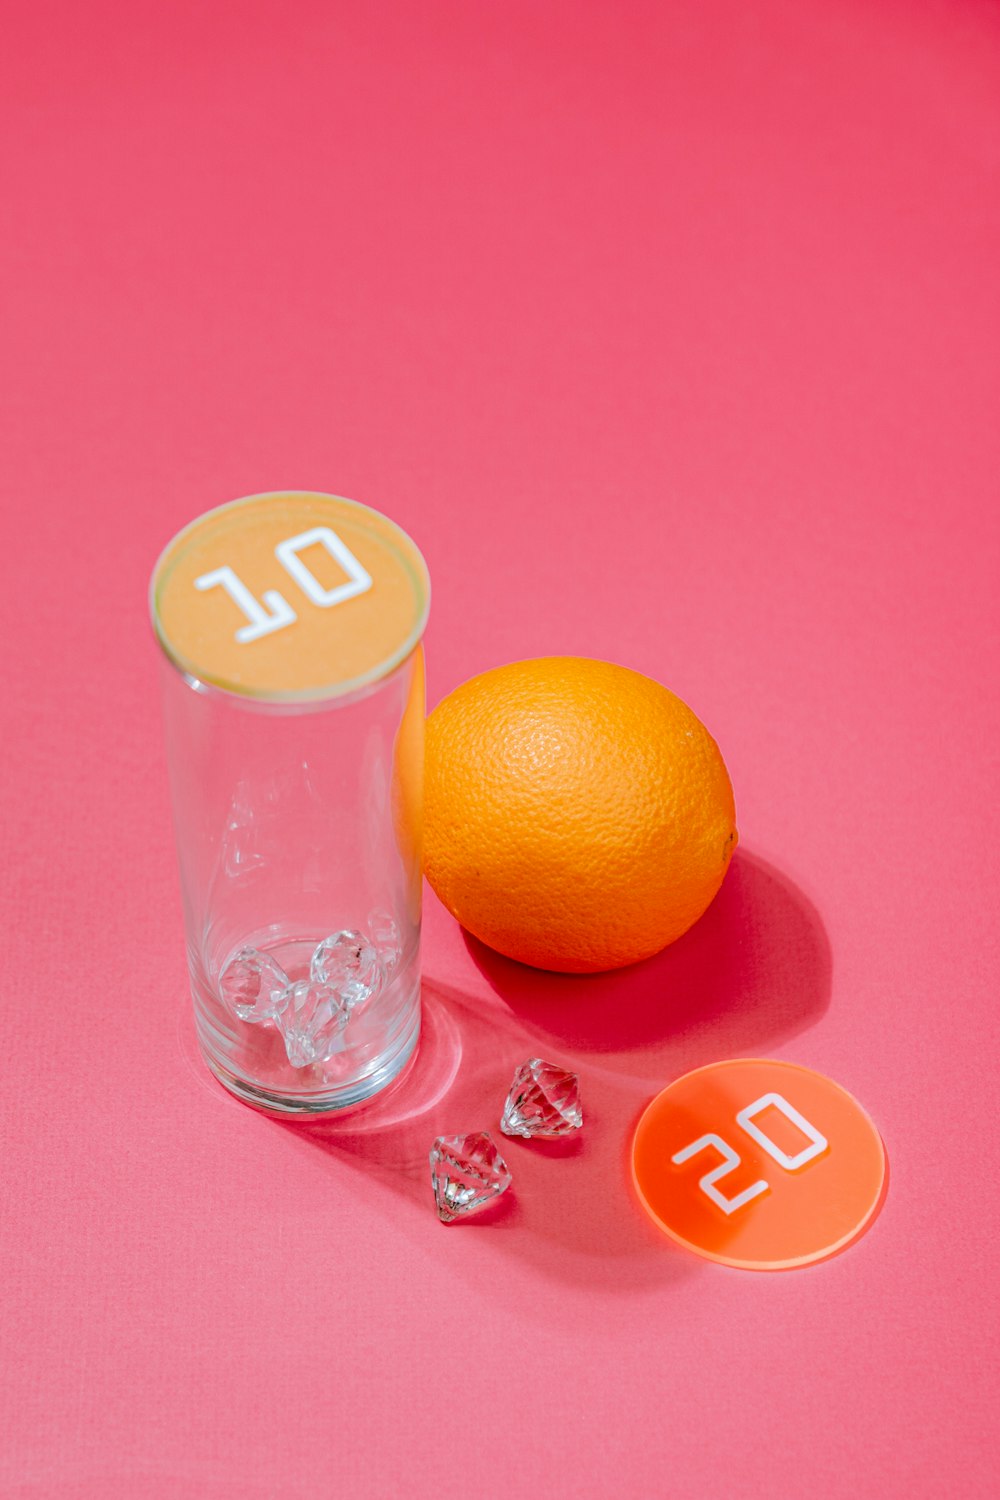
759, 1164
291, 596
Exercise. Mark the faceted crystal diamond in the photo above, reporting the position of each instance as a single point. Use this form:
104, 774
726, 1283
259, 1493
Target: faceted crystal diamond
311, 1022
348, 963
543, 1101
385, 936
254, 986
241, 839
467, 1173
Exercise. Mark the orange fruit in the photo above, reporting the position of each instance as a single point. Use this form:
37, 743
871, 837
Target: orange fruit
577, 815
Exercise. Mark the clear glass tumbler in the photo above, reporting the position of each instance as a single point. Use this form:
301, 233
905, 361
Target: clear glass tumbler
290, 627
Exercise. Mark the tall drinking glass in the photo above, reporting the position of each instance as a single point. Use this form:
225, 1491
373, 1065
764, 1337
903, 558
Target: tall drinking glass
290, 630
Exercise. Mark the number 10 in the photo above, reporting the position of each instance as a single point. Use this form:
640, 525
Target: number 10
281, 612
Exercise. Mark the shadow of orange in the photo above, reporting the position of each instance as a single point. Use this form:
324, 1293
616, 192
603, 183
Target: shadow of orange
755, 970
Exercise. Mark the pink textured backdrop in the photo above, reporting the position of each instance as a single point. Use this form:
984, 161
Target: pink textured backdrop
670, 332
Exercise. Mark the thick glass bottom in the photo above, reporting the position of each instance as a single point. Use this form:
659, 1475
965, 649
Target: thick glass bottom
252, 1060
319, 1102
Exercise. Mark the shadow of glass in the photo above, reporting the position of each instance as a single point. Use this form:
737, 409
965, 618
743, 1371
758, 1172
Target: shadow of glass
577, 1217
756, 970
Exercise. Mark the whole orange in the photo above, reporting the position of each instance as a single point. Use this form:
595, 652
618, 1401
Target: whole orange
577, 815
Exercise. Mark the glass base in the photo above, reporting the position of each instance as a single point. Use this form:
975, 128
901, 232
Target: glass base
252, 1058
344, 1096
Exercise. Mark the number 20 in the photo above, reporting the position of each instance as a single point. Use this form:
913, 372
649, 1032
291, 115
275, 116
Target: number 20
817, 1145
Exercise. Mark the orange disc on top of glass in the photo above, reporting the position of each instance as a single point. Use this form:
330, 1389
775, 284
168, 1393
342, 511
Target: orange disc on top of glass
290, 596
758, 1164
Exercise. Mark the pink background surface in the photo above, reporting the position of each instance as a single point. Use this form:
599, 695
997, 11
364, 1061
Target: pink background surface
670, 332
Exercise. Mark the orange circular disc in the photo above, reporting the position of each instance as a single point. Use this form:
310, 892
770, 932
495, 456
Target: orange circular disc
290, 597
759, 1164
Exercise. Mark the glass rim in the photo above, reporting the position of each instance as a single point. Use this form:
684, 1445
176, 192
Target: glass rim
311, 697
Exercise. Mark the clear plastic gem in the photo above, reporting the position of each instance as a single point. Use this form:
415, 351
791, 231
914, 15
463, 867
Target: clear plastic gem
311, 1023
254, 986
467, 1173
385, 936
348, 963
543, 1101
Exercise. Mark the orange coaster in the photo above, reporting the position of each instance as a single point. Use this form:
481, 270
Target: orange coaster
758, 1164
291, 596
